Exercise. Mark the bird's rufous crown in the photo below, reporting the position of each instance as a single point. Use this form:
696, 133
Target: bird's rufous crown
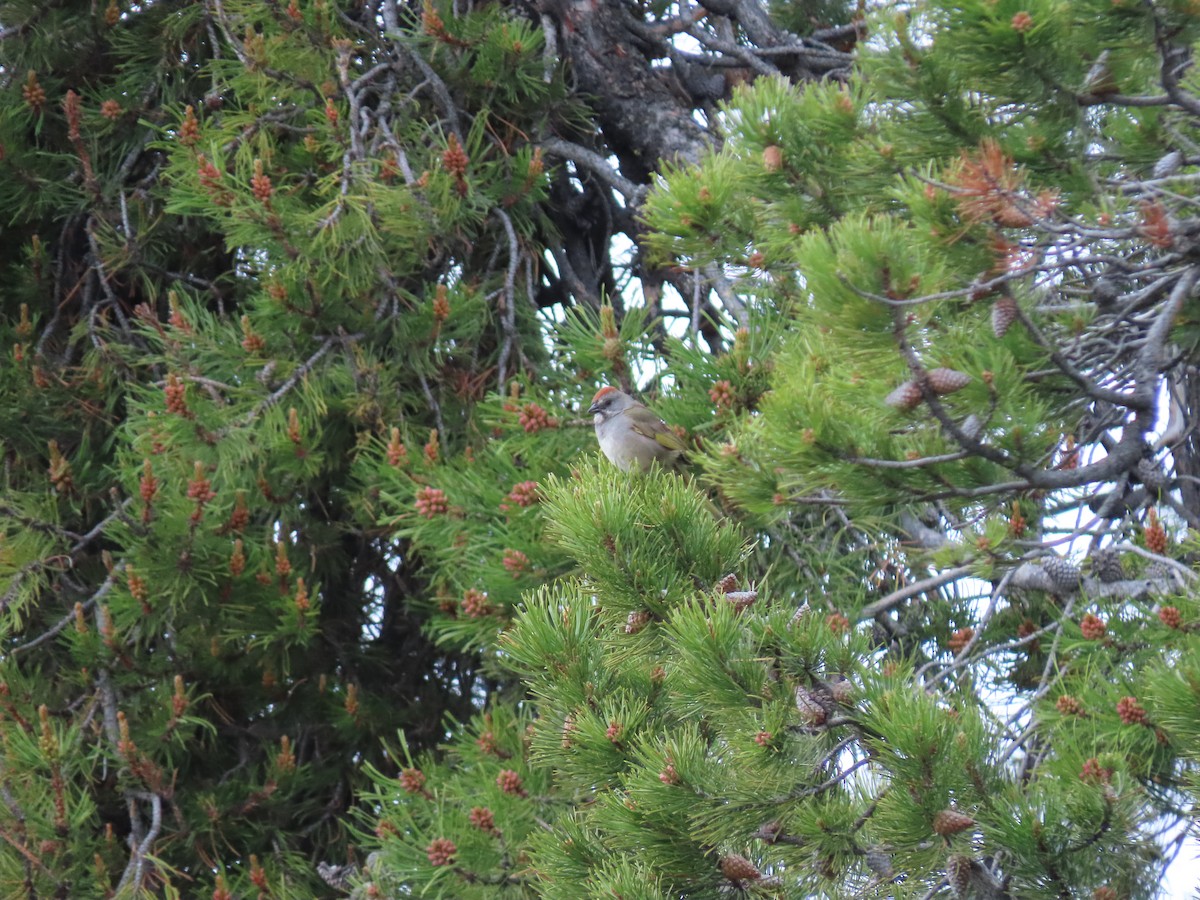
603, 392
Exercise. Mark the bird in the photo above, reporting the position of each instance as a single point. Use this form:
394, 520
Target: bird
630, 435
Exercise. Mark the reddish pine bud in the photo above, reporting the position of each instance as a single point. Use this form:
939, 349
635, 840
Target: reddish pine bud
1155, 534
431, 502
175, 394
412, 781
454, 158
440, 851
210, 178
1022, 22
1093, 627
1070, 454
537, 165
283, 565
285, 759
960, 639
722, 395
293, 426
1170, 616
1094, 773
1016, 522
237, 560
258, 876
397, 453
137, 587
33, 93
199, 488
302, 603
510, 782
837, 623
475, 604
148, 485
1069, 706
1156, 224
441, 305
252, 342
240, 517
524, 494
431, 447
533, 418
260, 184
481, 817
515, 562
189, 128
1131, 712
486, 742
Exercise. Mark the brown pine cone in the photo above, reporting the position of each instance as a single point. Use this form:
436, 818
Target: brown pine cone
905, 397
736, 867
1004, 313
1064, 574
947, 381
951, 821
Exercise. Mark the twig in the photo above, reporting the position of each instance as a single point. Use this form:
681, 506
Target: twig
895, 598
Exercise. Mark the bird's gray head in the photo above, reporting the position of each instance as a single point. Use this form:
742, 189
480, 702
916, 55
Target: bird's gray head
609, 402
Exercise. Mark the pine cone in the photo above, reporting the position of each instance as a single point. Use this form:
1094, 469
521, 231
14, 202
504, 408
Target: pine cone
736, 867
879, 861
947, 381
1151, 474
811, 711
741, 599
337, 877
1064, 575
951, 821
958, 874
905, 397
1004, 313
1106, 565
842, 691
727, 583
636, 621
1168, 165
1158, 571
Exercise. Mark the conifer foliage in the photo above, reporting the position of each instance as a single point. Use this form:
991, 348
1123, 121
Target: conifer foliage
312, 583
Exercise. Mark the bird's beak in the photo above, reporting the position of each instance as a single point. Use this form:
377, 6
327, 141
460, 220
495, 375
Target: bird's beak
593, 409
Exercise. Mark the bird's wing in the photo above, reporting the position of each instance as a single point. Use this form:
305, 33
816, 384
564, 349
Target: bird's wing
671, 441
663, 435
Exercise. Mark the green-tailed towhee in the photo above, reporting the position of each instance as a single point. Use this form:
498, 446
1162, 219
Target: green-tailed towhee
630, 435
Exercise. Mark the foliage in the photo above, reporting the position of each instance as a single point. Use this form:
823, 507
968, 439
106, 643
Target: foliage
310, 578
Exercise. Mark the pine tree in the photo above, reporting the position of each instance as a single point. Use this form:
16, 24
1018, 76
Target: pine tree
957, 658
309, 579
260, 266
